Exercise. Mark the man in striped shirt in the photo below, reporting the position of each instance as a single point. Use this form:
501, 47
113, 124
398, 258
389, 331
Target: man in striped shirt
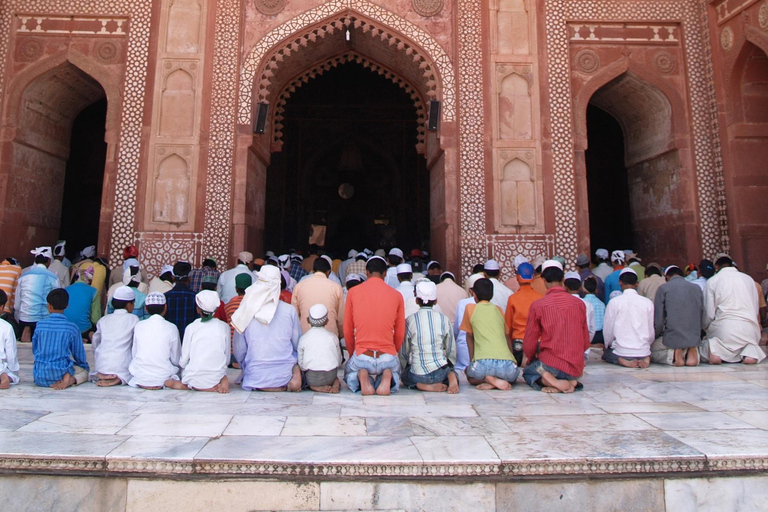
556, 336
60, 360
429, 348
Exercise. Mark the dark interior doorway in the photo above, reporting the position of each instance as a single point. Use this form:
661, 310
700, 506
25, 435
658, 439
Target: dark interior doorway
84, 178
348, 162
610, 220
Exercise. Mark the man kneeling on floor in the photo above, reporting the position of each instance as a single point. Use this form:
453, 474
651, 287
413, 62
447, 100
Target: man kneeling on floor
556, 336
628, 325
156, 347
60, 360
113, 341
490, 349
320, 352
205, 349
429, 350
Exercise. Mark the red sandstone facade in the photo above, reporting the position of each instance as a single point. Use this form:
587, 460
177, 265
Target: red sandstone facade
185, 176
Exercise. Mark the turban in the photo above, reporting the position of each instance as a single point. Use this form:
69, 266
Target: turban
43, 251
59, 248
260, 299
89, 252
130, 252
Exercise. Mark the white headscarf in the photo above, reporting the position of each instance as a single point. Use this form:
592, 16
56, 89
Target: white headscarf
260, 299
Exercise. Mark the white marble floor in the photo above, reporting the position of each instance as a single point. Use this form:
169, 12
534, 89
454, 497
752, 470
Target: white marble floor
661, 413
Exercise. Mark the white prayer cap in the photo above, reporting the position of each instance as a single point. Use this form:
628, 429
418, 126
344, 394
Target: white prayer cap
131, 262
433, 262
328, 259
602, 254
539, 261
380, 252
245, 257
58, 249
166, 268
88, 252
628, 253
627, 271
519, 260
318, 311
614, 294
426, 290
269, 254
269, 273
155, 299
471, 280
666, 270
284, 260
404, 268
208, 301
376, 258
447, 274
352, 253
491, 265
618, 256
43, 251
355, 277
396, 252
124, 293
551, 263
572, 275
368, 252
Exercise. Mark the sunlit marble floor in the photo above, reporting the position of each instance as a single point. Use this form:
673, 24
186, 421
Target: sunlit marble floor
661, 413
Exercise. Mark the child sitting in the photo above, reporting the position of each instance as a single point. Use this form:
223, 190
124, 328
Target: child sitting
319, 353
429, 349
205, 351
55, 344
113, 341
156, 347
493, 365
9, 364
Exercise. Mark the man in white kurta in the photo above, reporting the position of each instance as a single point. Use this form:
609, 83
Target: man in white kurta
405, 276
628, 326
113, 341
501, 293
732, 309
156, 347
9, 363
226, 285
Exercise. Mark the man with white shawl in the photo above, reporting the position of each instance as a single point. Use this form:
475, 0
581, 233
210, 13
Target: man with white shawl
267, 336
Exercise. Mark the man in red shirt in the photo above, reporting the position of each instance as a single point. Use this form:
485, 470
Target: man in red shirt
374, 328
556, 336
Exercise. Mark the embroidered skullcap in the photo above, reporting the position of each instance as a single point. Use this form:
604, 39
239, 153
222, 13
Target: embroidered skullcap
59, 248
243, 280
627, 271
426, 290
582, 260
396, 252
89, 252
525, 272
318, 315
166, 268
43, 251
491, 265
245, 256
404, 268
155, 299
519, 260
210, 278
124, 293
208, 301
551, 263
352, 253
602, 254
572, 275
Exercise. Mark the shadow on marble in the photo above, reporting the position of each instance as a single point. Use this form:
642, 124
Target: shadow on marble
177, 425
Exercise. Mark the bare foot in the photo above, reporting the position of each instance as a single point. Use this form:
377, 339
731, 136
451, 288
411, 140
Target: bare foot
223, 385
151, 388
713, 359
273, 390
562, 386
176, 384
439, 388
644, 362
453, 384
65, 382
485, 386
692, 357
629, 363
366, 389
548, 389
321, 389
294, 385
386, 382
335, 387
5, 381
679, 358
498, 383
749, 360
105, 383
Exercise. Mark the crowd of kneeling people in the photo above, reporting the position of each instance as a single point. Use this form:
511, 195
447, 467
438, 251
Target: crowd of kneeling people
286, 328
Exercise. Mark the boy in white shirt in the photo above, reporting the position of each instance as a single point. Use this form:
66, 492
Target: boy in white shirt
9, 364
205, 351
113, 341
156, 347
319, 353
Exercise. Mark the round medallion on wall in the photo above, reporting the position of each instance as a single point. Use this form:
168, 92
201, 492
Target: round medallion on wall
107, 51
31, 50
762, 16
665, 62
726, 39
587, 61
427, 8
270, 7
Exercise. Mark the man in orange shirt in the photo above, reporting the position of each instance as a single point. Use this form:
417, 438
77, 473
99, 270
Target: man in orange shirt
516, 316
374, 329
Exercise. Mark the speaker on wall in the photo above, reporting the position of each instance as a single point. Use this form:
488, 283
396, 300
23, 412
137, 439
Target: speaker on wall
260, 123
434, 116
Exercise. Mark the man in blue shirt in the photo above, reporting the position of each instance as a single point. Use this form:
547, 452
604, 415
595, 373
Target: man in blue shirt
180, 301
60, 360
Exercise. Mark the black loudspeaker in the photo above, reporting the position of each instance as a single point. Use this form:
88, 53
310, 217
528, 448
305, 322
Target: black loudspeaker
434, 116
260, 123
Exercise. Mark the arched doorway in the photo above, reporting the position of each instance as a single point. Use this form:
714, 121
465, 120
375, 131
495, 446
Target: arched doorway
55, 164
639, 195
349, 165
